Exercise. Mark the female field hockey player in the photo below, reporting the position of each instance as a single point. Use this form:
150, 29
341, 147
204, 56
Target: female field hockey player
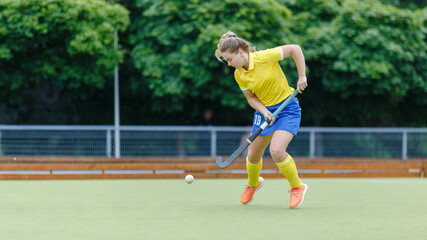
265, 86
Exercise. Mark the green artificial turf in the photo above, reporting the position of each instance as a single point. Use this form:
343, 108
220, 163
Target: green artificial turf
341, 208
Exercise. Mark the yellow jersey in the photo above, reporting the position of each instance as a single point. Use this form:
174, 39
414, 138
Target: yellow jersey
265, 77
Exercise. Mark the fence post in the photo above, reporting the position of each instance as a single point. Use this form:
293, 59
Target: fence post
1, 148
312, 144
108, 147
405, 145
213, 143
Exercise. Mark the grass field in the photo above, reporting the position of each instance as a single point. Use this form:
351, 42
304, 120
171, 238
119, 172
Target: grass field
374, 208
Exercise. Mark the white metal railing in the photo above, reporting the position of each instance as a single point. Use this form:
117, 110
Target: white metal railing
403, 131
144, 141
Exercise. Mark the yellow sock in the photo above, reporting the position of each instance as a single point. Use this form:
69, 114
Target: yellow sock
254, 170
289, 170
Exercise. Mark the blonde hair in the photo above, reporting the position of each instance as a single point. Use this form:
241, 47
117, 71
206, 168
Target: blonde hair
230, 42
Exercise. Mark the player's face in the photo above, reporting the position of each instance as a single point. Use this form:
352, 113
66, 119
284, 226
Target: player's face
235, 60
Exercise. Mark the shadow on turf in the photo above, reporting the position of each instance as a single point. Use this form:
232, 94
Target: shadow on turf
274, 207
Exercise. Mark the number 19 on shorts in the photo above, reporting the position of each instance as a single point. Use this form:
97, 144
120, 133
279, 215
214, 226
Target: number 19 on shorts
257, 120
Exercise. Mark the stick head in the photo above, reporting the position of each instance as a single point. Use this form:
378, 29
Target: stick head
220, 163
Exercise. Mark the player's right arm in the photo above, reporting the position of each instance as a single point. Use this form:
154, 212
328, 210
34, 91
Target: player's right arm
256, 104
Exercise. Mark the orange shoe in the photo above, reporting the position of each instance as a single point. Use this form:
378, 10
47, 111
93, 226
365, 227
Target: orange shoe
248, 194
297, 195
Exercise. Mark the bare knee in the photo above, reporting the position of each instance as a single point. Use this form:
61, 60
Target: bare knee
254, 157
278, 154
257, 148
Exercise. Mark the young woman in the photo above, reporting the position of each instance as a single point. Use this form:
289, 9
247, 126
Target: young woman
265, 86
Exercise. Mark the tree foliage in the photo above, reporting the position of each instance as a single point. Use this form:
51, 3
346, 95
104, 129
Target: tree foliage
366, 60
370, 60
410, 4
51, 51
174, 44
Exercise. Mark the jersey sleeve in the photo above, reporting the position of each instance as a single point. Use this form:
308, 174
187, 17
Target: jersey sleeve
271, 55
242, 85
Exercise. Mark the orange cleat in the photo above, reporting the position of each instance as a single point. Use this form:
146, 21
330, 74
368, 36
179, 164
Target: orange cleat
297, 195
248, 194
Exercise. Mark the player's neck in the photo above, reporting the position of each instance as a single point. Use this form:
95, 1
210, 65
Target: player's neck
246, 61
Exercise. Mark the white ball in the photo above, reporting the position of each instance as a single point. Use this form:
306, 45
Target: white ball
14, 158
189, 179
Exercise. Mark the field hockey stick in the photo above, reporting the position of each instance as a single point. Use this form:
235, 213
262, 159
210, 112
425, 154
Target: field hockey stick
252, 137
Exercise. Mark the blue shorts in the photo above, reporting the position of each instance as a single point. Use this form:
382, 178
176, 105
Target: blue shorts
288, 119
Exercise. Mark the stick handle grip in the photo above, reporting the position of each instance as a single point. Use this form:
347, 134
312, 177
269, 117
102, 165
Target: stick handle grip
286, 102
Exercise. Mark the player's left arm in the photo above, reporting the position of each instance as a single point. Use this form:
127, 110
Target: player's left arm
296, 53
